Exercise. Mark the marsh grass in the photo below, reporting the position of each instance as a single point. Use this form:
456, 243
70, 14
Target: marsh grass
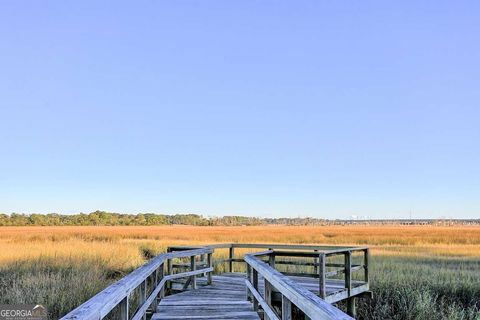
423, 288
416, 272
58, 283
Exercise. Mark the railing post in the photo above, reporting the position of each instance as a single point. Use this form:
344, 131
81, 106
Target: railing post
193, 268
203, 262
315, 263
255, 285
249, 278
231, 253
161, 272
124, 309
321, 275
348, 283
286, 308
210, 265
271, 260
143, 296
268, 294
351, 307
155, 285
169, 272
348, 271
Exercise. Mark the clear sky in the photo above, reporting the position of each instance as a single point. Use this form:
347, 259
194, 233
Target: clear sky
266, 108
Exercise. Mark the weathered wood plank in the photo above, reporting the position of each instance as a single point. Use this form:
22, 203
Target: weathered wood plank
223, 299
322, 276
286, 309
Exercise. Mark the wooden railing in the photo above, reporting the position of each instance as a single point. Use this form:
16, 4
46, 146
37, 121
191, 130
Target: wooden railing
145, 285
322, 259
312, 306
316, 251
320, 264
138, 293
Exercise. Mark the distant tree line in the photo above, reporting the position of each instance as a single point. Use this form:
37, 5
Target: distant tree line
103, 218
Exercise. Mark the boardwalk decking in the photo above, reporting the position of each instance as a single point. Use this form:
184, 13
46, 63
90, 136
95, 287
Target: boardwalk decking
224, 299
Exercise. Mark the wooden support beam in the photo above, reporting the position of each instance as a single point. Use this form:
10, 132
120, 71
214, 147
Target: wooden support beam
351, 310
322, 275
202, 262
271, 260
210, 265
267, 312
124, 308
231, 253
268, 292
286, 308
143, 296
161, 273
348, 272
193, 268
255, 286
249, 279
169, 272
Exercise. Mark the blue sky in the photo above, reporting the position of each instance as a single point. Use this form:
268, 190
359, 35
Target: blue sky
266, 108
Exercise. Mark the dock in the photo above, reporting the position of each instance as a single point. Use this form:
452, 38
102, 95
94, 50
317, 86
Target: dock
237, 281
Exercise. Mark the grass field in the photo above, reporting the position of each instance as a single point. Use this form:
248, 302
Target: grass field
417, 272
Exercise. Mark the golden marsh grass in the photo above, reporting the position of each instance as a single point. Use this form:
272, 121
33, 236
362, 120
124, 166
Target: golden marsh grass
417, 272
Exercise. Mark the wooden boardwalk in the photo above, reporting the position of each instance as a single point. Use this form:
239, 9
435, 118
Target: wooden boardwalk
284, 282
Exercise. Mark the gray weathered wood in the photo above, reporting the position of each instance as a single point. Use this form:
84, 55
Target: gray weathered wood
286, 308
124, 308
231, 254
224, 299
351, 307
143, 295
193, 267
210, 265
271, 260
322, 276
161, 274
348, 271
255, 286
267, 292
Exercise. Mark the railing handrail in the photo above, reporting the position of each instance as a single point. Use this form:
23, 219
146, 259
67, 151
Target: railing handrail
106, 300
309, 303
326, 249
321, 248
